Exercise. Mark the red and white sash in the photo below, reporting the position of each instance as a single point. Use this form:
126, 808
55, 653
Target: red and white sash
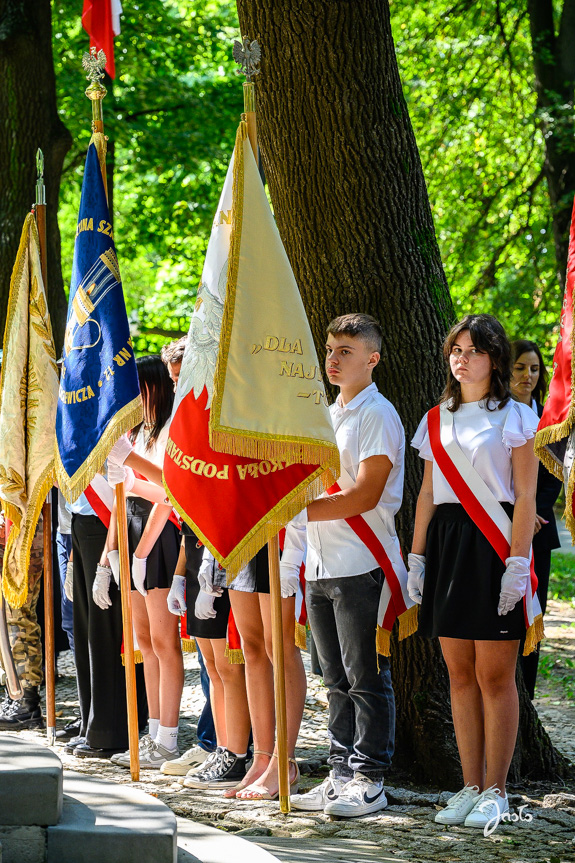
394, 601
482, 507
101, 498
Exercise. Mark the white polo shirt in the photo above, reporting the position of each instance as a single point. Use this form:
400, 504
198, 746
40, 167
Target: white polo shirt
368, 425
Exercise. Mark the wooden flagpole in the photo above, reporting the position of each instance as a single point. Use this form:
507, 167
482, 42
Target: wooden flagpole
94, 63
273, 544
49, 645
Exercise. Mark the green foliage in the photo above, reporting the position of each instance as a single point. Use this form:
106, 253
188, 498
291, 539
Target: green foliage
171, 114
562, 576
468, 80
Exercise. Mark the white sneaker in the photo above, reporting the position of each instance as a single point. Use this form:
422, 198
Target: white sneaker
360, 796
459, 806
193, 770
151, 758
488, 809
120, 757
190, 760
316, 799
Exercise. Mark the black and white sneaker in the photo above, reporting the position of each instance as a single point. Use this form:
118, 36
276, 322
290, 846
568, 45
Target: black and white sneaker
359, 796
225, 771
317, 799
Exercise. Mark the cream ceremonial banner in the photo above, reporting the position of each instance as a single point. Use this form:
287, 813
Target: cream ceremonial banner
28, 395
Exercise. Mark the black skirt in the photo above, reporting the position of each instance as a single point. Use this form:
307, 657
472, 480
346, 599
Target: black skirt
164, 555
463, 582
214, 627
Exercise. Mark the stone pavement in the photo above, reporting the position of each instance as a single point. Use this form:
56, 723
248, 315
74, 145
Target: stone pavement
405, 830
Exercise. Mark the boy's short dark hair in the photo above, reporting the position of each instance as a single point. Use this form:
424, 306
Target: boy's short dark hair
360, 326
174, 351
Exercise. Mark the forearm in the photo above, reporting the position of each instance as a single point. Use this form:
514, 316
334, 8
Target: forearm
345, 504
522, 528
423, 514
144, 466
150, 491
154, 526
112, 538
181, 564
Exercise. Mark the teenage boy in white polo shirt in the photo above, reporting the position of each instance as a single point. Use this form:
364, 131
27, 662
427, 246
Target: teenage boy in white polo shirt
344, 579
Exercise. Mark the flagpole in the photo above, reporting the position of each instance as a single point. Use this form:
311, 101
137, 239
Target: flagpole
273, 544
94, 63
49, 646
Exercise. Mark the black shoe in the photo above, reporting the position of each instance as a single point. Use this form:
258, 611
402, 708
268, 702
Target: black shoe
24, 713
71, 745
85, 751
225, 771
72, 729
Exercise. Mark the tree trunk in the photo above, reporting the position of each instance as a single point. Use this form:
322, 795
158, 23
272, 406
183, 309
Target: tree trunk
554, 67
352, 208
29, 120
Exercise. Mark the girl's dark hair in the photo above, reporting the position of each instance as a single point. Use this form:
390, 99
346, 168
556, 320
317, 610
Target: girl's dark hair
158, 394
524, 346
488, 336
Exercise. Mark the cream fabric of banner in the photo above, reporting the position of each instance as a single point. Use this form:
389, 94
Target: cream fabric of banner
269, 399
28, 393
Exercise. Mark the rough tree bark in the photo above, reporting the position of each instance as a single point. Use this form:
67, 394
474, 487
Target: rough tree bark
352, 208
554, 67
28, 120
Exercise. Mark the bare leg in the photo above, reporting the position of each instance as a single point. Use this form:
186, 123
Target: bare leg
151, 664
295, 683
166, 645
259, 679
495, 668
236, 702
217, 696
466, 707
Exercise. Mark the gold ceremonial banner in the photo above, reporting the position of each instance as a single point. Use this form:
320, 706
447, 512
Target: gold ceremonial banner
28, 396
269, 398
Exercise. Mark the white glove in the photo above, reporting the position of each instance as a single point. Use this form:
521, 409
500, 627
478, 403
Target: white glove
114, 561
204, 608
118, 473
101, 587
177, 595
206, 575
289, 578
139, 565
415, 576
513, 583
121, 450
69, 582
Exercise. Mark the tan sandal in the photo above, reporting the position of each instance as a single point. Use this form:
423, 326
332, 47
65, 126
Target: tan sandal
260, 792
230, 793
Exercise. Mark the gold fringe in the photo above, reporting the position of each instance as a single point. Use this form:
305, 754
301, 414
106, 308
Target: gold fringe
11, 512
264, 447
124, 420
383, 641
138, 658
408, 622
235, 655
99, 140
569, 517
300, 636
534, 635
189, 645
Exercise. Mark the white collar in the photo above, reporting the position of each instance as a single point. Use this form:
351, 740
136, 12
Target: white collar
358, 399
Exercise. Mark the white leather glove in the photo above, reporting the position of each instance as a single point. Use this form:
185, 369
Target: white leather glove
204, 608
289, 578
415, 576
121, 450
69, 582
513, 583
118, 473
101, 587
139, 565
206, 575
177, 595
114, 561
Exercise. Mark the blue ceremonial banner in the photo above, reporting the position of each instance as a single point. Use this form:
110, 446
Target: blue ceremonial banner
99, 397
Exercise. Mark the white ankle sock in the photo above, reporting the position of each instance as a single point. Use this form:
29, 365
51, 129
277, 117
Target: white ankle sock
153, 725
167, 737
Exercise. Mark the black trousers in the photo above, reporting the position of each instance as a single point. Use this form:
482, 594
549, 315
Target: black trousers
98, 643
529, 664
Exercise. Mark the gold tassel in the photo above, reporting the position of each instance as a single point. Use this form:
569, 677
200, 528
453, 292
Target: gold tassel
383, 641
300, 636
534, 635
267, 447
138, 658
189, 645
408, 622
235, 655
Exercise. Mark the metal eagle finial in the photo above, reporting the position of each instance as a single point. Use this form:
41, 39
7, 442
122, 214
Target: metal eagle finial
247, 55
94, 63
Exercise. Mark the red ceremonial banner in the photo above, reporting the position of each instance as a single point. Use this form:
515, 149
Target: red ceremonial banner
97, 22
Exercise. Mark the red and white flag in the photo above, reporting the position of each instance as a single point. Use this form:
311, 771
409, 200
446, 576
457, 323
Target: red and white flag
101, 20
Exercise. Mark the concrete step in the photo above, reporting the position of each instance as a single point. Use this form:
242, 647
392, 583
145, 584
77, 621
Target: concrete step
320, 850
30, 783
199, 843
103, 821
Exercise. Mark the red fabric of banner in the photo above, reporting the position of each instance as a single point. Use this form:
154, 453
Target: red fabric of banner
97, 22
